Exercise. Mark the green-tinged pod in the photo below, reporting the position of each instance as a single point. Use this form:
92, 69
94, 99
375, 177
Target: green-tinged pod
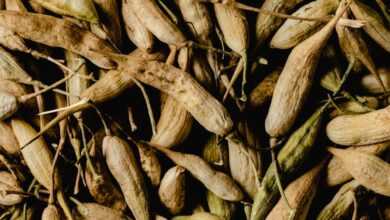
292, 158
198, 216
375, 25
293, 32
369, 170
266, 24
349, 107
172, 190
124, 166
20, 213
296, 79
81, 9
336, 174
220, 207
9, 182
300, 194
217, 182
331, 80
341, 204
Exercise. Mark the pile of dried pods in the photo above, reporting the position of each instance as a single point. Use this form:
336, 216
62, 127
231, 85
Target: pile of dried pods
194, 109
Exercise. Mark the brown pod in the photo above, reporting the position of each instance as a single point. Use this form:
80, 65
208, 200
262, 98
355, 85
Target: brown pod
362, 129
10, 68
300, 194
266, 24
367, 169
172, 189
8, 141
110, 18
30, 25
296, 79
124, 167
9, 183
336, 174
8, 105
375, 26
135, 29
150, 163
93, 211
157, 22
51, 213
217, 182
262, 93
198, 216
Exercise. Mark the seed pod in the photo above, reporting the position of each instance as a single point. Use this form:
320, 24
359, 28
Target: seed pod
197, 14
266, 24
293, 155
336, 174
369, 170
375, 26
150, 163
293, 32
370, 83
136, 31
262, 93
12, 87
172, 189
20, 214
51, 213
81, 9
220, 207
341, 203
355, 107
245, 164
123, 166
39, 159
300, 194
174, 125
216, 153
202, 71
198, 216
8, 140
101, 185
111, 19
157, 22
9, 183
363, 129
295, 81
10, 68
9, 105
93, 211
84, 42
217, 182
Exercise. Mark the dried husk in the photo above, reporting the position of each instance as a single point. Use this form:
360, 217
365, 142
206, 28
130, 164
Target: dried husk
336, 174
72, 37
295, 81
262, 93
354, 107
267, 24
217, 182
341, 204
8, 141
362, 129
51, 213
174, 125
298, 149
244, 163
81, 9
234, 27
124, 167
375, 25
150, 163
370, 83
172, 192
198, 216
300, 194
154, 19
136, 31
101, 186
8, 105
369, 170
110, 19
10, 68
293, 32
202, 71
8, 182
12, 87
94, 211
